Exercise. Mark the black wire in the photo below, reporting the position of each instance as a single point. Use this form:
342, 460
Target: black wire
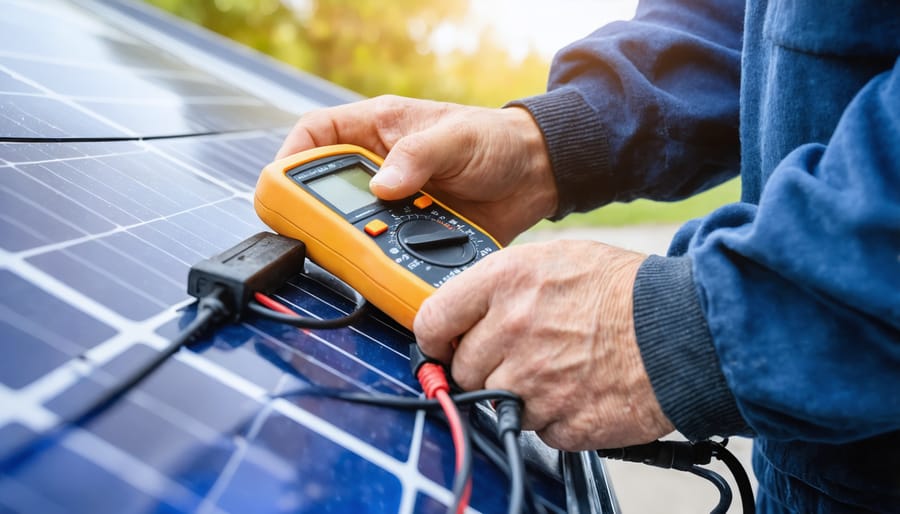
306, 322
402, 402
324, 277
210, 310
721, 485
748, 504
516, 472
496, 456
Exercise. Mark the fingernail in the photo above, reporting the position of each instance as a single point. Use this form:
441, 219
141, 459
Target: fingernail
388, 177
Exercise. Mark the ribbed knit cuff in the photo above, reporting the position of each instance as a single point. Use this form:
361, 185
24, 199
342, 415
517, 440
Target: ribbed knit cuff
678, 352
578, 147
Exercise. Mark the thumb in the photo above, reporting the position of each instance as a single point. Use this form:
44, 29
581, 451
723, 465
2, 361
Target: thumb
417, 158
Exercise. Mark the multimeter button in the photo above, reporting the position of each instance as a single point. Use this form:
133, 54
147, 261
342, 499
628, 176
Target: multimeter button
423, 202
376, 228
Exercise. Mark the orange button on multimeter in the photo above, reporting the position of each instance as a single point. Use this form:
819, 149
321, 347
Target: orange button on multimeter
375, 227
395, 253
423, 202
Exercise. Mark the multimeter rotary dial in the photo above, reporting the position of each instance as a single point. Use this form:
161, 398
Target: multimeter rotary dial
435, 243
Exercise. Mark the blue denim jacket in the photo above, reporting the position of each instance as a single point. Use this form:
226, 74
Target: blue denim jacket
779, 316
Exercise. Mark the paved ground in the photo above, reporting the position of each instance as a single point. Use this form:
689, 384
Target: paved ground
644, 489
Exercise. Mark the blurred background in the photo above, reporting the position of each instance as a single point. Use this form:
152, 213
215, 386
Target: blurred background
480, 52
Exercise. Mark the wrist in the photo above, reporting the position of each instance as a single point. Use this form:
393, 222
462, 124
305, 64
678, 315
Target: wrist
534, 161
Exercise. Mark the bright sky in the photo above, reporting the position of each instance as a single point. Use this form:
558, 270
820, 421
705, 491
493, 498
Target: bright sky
547, 25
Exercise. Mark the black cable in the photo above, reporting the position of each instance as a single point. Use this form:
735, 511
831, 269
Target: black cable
324, 277
211, 309
402, 402
516, 472
684, 456
306, 322
509, 424
748, 504
494, 454
721, 485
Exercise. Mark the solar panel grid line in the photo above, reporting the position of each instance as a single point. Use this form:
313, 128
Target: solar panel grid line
408, 496
399, 469
407, 471
180, 73
124, 85
291, 98
61, 379
19, 408
212, 497
199, 172
328, 430
309, 358
62, 245
74, 105
136, 473
343, 312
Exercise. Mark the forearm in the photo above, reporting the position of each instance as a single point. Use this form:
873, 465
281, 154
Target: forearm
645, 108
800, 296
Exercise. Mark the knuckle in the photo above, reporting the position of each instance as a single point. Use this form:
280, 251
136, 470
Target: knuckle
464, 376
559, 436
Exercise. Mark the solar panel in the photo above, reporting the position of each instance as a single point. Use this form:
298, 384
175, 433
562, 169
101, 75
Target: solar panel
120, 166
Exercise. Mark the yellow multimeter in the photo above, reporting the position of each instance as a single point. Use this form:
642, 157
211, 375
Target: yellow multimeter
395, 253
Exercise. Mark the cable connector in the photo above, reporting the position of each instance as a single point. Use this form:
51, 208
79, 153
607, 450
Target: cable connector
261, 262
417, 359
433, 379
681, 455
509, 417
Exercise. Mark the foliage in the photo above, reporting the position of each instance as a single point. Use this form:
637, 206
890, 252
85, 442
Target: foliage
646, 211
376, 47
373, 47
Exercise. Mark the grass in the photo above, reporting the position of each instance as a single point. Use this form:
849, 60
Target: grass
649, 212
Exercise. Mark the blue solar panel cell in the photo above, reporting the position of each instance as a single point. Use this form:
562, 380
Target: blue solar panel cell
236, 159
53, 205
288, 477
34, 359
36, 117
62, 480
97, 236
40, 330
9, 84
118, 282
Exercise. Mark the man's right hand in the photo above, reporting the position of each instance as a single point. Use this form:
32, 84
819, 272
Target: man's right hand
490, 165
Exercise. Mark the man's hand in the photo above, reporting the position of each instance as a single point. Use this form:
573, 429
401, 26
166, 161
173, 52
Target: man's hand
553, 323
490, 165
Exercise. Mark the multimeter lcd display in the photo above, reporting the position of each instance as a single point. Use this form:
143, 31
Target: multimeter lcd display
348, 189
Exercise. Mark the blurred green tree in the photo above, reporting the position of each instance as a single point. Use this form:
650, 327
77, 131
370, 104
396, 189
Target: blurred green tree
372, 46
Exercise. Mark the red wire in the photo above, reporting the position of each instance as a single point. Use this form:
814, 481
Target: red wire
273, 304
434, 383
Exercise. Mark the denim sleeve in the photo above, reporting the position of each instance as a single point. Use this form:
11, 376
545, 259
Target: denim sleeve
646, 108
801, 294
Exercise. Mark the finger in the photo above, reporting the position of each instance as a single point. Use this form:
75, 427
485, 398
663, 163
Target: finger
354, 123
436, 152
452, 310
479, 354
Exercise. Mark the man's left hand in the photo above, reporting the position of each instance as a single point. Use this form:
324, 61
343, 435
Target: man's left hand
551, 322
